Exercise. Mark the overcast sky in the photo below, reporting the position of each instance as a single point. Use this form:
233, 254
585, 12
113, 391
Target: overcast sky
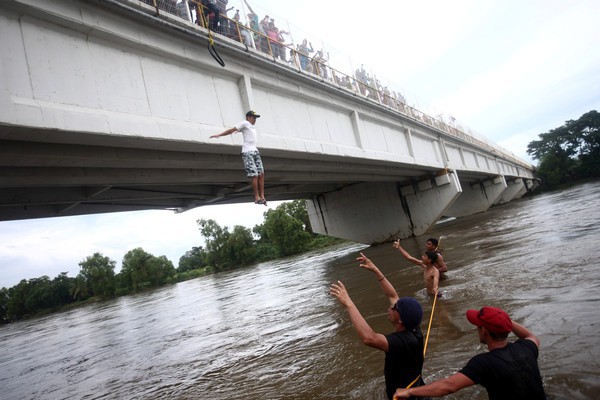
508, 70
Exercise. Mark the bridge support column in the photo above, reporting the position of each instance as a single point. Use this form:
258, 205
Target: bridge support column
477, 197
379, 212
514, 186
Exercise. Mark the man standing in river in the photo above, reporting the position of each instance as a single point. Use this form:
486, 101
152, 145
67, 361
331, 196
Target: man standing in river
404, 347
509, 370
250, 155
431, 275
440, 264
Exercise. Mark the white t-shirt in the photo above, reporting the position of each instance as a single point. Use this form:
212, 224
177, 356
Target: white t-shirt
249, 132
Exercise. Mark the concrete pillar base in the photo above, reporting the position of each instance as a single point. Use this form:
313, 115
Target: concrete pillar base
380, 212
477, 197
514, 186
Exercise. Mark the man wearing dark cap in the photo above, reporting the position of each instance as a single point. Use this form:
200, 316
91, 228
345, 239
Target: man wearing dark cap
404, 347
509, 370
250, 155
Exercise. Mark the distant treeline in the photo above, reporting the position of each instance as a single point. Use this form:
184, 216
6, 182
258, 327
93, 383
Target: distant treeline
569, 153
285, 231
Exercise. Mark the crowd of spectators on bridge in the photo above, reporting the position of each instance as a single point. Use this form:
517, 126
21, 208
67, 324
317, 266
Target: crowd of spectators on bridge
265, 36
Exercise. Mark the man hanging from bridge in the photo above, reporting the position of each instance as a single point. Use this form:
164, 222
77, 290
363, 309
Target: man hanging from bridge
250, 155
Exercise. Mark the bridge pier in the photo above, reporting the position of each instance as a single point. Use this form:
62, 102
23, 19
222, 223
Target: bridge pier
514, 186
378, 212
477, 197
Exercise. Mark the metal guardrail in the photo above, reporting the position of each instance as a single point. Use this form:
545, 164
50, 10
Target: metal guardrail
263, 39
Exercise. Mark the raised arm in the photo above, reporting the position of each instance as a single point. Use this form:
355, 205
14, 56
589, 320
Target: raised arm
224, 133
406, 255
367, 335
386, 286
523, 333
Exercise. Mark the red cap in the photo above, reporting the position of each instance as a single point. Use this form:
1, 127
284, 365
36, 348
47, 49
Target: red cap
491, 318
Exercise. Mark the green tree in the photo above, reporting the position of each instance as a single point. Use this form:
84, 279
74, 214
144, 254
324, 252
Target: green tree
135, 270
240, 247
4, 299
224, 249
98, 273
79, 289
284, 232
142, 270
297, 209
31, 296
61, 288
192, 259
215, 238
160, 270
569, 152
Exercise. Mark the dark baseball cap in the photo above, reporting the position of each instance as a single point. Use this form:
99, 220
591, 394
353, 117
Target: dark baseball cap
252, 114
410, 311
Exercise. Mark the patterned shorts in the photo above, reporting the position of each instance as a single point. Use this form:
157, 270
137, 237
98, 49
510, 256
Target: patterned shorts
252, 163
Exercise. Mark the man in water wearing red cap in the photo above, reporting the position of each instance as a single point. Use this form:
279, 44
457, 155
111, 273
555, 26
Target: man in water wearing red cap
404, 347
509, 370
250, 155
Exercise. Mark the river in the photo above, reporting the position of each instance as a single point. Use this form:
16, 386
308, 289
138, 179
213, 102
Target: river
272, 331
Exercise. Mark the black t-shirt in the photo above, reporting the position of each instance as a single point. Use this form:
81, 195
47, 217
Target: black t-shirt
403, 360
511, 372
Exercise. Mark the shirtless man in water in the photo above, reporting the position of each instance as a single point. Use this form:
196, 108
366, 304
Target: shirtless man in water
431, 275
432, 245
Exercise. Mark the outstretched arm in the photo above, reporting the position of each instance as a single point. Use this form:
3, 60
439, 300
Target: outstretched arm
405, 254
367, 335
386, 286
437, 388
224, 133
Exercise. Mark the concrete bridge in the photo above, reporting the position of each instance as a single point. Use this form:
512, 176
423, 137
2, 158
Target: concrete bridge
108, 106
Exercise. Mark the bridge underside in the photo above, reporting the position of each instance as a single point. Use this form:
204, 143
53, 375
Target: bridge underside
43, 174
48, 175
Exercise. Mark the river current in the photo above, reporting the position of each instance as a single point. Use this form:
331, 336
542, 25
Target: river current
272, 331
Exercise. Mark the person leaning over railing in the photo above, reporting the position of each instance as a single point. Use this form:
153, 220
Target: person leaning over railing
206, 11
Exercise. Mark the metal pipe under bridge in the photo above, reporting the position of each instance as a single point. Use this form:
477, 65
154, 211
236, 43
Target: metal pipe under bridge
108, 106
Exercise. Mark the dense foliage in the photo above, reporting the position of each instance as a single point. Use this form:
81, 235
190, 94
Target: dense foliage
568, 153
285, 231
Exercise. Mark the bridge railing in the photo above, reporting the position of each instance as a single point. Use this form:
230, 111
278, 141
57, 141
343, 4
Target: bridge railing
360, 83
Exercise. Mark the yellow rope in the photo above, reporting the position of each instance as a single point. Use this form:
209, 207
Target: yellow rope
429, 327
426, 339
